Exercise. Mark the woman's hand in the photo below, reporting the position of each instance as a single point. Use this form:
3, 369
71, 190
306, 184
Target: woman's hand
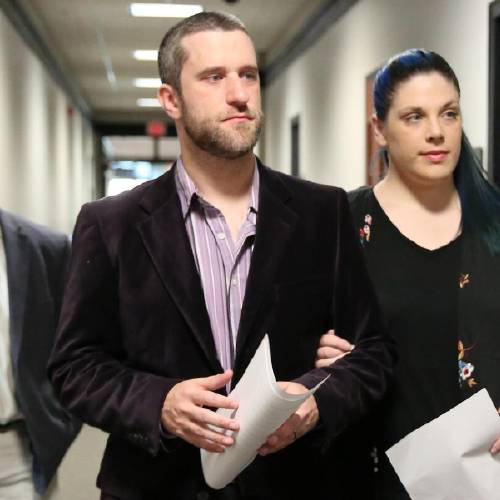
331, 348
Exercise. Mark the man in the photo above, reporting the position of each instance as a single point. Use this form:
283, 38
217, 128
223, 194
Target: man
35, 431
174, 284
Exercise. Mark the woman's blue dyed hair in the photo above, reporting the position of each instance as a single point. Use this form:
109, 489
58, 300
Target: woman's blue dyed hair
480, 199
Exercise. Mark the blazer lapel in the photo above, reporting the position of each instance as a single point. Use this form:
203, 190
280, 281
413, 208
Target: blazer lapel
165, 238
275, 225
17, 257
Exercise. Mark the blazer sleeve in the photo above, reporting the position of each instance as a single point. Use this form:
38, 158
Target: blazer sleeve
360, 379
87, 366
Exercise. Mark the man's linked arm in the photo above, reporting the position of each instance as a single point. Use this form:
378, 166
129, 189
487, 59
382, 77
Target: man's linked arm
360, 379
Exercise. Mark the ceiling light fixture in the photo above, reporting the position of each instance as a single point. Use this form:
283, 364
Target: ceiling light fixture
148, 102
145, 55
164, 9
147, 83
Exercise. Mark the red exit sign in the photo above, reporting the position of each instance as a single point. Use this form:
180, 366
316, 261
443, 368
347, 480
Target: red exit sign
155, 128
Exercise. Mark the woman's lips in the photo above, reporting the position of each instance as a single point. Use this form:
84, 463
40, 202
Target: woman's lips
435, 156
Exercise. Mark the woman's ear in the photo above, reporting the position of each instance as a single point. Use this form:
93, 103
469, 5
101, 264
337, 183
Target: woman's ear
378, 131
169, 101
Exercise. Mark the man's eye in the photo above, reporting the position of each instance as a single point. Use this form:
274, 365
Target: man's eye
213, 78
413, 117
249, 75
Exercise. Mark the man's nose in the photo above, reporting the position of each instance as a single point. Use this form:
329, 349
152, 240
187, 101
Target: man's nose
236, 92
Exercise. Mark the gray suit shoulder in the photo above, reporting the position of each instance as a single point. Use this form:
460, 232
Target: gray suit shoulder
37, 234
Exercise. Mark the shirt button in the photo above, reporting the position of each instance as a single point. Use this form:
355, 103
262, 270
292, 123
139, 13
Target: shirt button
234, 282
221, 236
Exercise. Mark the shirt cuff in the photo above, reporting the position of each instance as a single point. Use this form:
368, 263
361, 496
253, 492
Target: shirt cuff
166, 439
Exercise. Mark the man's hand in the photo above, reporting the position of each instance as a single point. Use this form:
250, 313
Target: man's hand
331, 348
298, 424
184, 415
495, 447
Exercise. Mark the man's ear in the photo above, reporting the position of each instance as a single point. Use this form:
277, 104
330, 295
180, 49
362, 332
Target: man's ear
170, 101
378, 131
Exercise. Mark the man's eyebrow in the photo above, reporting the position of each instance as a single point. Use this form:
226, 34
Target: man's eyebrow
250, 67
211, 69
222, 69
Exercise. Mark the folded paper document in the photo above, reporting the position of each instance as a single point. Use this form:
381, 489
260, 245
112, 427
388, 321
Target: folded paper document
263, 407
449, 458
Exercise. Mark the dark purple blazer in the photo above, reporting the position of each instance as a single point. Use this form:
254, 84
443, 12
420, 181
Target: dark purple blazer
134, 323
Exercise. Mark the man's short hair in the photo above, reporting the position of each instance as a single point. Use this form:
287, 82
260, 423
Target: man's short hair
172, 56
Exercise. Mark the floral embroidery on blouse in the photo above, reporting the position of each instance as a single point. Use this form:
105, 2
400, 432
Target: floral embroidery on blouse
463, 280
465, 369
365, 231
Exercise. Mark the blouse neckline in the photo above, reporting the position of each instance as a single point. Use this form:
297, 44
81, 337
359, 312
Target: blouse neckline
405, 238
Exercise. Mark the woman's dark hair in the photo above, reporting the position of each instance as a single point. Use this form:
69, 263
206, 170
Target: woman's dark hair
479, 198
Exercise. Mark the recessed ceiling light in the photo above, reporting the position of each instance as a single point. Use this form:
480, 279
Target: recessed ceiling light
147, 83
164, 9
148, 102
145, 55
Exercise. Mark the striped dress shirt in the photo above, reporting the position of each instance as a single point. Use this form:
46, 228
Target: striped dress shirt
222, 263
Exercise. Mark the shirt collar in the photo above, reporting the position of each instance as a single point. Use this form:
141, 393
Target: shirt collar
188, 191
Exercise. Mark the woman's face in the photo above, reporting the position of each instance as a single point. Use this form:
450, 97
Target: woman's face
423, 128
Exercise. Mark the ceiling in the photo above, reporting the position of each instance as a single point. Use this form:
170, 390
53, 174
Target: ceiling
93, 40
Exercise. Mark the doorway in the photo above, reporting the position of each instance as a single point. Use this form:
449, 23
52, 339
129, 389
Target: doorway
494, 95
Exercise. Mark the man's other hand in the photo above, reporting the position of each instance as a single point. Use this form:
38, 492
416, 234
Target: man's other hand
300, 423
184, 413
495, 447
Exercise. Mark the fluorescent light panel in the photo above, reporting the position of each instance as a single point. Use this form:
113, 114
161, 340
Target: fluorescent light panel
148, 102
145, 55
164, 9
147, 83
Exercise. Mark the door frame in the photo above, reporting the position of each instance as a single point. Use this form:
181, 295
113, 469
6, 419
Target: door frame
494, 97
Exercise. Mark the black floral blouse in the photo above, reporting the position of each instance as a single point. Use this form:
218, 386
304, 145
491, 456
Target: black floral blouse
443, 309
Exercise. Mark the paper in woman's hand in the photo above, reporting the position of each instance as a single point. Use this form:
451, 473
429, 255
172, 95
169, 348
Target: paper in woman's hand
263, 407
449, 458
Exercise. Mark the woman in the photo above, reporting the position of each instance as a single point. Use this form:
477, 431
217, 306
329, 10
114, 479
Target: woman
431, 234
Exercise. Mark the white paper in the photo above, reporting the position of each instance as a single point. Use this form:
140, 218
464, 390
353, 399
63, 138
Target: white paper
263, 407
449, 458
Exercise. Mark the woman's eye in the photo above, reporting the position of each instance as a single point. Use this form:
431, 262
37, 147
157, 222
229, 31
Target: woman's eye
451, 114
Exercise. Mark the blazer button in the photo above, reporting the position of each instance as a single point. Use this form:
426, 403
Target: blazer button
203, 495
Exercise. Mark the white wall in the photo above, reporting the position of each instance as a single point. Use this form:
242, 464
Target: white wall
46, 173
46, 169
326, 85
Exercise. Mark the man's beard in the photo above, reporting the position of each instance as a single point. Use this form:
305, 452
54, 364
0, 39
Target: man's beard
209, 135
